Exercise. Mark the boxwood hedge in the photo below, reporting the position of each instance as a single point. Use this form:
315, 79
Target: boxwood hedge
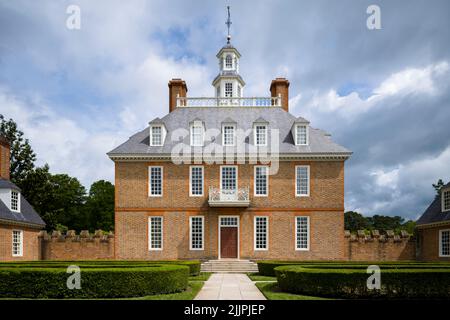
97, 282
194, 265
352, 283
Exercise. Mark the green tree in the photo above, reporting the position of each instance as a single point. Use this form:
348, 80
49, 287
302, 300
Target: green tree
22, 155
438, 186
100, 206
383, 223
355, 221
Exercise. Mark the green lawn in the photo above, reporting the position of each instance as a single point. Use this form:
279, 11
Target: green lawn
189, 294
203, 276
257, 277
271, 291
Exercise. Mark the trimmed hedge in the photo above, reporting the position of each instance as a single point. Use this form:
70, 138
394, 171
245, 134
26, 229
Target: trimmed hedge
37, 282
194, 265
266, 268
352, 283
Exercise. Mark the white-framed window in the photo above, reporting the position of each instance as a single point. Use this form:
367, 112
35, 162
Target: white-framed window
196, 181
239, 91
218, 91
15, 200
228, 89
261, 181
444, 243
228, 134
301, 134
156, 136
229, 62
302, 181
261, 237
197, 232
155, 181
17, 243
197, 133
446, 200
261, 135
302, 233
228, 178
155, 233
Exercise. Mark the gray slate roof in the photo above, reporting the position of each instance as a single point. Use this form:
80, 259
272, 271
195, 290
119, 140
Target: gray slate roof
26, 215
319, 141
434, 214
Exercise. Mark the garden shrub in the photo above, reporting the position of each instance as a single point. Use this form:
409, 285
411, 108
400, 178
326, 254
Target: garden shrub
101, 282
352, 283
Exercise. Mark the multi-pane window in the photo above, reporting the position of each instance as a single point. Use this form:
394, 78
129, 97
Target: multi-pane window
156, 138
155, 233
302, 181
261, 179
446, 200
261, 228
229, 62
229, 178
229, 221
196, 178
197, 134
14, 200
228, 135
261, 135
17, 243
155, 181
197, 233
444, 243
228, 89
301, 135
302, 233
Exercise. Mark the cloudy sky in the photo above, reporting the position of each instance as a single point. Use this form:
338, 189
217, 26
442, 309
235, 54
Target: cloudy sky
384, 94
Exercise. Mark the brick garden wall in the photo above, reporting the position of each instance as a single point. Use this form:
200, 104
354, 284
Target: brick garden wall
71, 246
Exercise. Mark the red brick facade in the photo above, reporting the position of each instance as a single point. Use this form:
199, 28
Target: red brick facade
428, 242
30, 243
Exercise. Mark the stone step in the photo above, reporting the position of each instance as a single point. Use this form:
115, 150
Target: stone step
229, 266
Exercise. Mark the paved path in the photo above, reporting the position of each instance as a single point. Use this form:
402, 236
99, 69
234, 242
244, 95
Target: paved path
229, 286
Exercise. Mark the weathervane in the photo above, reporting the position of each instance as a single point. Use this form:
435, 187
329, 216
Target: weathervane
228, 23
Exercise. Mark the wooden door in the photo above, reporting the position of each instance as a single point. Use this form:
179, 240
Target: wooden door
228, 242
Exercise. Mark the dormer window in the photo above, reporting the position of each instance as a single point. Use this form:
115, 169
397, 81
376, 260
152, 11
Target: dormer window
261, 135
228, 134
156, 136
446, 200
301, 135
15, 202
229, 62
197, 133
228, 89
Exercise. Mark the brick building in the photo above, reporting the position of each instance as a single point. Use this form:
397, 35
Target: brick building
19, 223
229, 177
433, 229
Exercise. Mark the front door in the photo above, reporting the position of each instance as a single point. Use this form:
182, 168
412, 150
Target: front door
229, 237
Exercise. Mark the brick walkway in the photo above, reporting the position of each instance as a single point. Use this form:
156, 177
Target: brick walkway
229, 286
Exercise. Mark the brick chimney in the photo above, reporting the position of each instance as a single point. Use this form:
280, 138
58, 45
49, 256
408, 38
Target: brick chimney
280, 86
177, 88
4, 158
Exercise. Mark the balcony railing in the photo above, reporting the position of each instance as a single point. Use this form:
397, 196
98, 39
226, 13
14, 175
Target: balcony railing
229, 102
229, 198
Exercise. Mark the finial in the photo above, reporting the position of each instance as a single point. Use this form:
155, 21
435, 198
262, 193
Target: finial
228, 23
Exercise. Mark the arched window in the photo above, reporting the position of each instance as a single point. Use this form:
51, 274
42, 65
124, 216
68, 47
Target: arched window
229, 62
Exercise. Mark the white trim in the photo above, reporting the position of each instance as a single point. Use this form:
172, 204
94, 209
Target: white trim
150, 233
267, 182
18, 200
223, 134
307, 134
150, 182
443, 191
309, 181
190, 181
267, 233
238, 234
20, 254
309, 234
203, 233
255, 134
440, 243
237, 174
163, 135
